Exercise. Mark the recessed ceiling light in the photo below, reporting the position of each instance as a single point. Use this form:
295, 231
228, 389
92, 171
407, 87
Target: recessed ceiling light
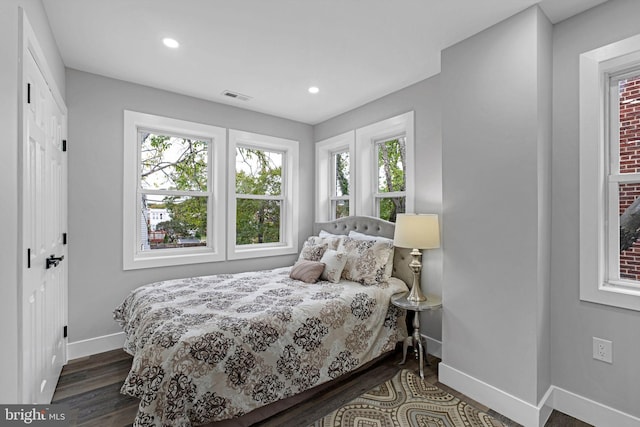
314, 89
169, 42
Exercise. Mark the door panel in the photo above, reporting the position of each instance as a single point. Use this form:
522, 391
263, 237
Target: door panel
44, 285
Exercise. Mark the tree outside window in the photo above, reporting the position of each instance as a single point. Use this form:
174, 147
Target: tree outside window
390, 197
259, 196
174, 177
341, 178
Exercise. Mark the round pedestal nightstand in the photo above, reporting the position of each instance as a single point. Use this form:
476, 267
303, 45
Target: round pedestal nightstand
415, 339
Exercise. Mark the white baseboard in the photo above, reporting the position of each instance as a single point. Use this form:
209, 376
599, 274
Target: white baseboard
434, 347
590, 411
529, 415
78, 349
510, 406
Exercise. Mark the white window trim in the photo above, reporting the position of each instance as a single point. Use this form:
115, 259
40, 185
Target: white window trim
595, 67
133, 258
324, 169
366, 162
289, 214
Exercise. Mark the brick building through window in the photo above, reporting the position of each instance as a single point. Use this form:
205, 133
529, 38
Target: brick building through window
629, 140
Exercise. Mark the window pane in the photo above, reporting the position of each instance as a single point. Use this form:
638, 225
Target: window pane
389, 207
629, 107
629, 196
172, 222
340, 208
172, 163
257, 221
258, 171
341, 165
391, 165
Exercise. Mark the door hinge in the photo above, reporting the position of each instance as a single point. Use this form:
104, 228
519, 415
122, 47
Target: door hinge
64, 145
64, 331
64, 238
29, 258
28, 93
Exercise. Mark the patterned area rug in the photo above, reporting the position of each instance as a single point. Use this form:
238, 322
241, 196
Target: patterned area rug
406, 400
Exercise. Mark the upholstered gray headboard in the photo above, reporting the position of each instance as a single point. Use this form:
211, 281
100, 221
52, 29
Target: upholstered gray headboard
374, 227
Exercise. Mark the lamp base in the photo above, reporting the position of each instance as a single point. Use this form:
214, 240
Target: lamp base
416, 294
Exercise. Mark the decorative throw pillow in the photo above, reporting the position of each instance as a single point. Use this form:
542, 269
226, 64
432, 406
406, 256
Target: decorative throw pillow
332, 242
312, 252
307, 271
361, 236
334, 263
366, 260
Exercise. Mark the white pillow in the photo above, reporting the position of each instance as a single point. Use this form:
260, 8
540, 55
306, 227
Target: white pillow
327, 234
334, 263
367, 260
361, 236
332, 242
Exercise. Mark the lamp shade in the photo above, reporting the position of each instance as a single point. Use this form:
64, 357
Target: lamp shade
417, 231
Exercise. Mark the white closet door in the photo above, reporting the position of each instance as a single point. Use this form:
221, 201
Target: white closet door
44, 220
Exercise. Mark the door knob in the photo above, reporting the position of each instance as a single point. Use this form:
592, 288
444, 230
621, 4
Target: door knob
54, 261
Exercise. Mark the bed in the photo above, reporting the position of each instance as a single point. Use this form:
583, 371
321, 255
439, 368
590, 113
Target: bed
213, 348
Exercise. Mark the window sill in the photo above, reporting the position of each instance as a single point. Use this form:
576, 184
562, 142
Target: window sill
613, 295
258, 251
152, 260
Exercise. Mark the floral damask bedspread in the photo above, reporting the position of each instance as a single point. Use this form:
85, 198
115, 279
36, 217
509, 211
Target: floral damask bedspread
216, 347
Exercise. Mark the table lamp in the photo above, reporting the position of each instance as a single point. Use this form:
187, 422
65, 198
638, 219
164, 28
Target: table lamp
416, 232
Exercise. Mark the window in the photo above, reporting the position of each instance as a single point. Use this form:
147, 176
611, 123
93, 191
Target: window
259, 197
341, 177
623, 179
610, 174
174, 177
390, 197
382, 155
262, 194
173, 183
334, 177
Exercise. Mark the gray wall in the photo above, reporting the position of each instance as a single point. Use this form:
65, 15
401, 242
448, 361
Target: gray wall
545, 140
10, 259
574, 323
495, 121
424, 99
97, 283
502, 318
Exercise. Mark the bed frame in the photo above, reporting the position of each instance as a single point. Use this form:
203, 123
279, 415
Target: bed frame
363, 224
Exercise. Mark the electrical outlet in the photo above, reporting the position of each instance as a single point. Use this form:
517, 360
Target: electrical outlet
602, 350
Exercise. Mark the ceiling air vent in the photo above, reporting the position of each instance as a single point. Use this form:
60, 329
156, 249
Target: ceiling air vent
236, 95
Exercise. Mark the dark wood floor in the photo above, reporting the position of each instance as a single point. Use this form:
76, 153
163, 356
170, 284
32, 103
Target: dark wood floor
90, 387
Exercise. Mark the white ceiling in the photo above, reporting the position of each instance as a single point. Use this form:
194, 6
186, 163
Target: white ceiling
355, 51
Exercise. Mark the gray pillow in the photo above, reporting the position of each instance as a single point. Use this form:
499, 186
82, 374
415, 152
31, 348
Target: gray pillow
307, 271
